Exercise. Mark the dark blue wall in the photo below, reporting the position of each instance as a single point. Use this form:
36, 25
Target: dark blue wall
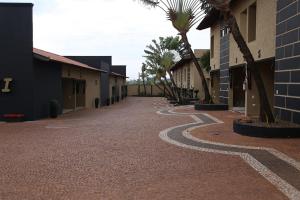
287, 71
48, 86
99, 62
16, 61
224, 69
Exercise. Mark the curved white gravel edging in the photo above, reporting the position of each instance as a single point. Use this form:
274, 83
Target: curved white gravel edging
283, 186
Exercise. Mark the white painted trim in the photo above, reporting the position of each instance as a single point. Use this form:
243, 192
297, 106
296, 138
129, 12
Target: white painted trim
297, 111
287, 96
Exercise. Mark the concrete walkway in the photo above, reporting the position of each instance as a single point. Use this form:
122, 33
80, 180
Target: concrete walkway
116, 153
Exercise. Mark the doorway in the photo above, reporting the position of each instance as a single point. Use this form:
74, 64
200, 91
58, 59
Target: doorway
73, 94
238, 78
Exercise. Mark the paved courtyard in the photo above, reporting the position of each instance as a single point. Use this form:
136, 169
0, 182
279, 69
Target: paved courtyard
140, 149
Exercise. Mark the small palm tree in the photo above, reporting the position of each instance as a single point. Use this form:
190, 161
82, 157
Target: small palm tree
184, 14
161, 55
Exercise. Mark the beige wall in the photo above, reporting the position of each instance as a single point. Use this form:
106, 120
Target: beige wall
194, 75
92, 78
112, 83
195, 80
215, 61
120, 83
252, 96
133, 90
265, 31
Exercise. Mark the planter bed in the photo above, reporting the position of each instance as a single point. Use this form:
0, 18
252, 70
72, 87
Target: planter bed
211, 107
260, 129
173, 101
14, 117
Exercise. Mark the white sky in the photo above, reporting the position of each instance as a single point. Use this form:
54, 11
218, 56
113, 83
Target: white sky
117, 28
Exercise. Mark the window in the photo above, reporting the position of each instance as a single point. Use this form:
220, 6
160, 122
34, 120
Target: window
243, 23
188, 77
252, 23
212, 46
224, 31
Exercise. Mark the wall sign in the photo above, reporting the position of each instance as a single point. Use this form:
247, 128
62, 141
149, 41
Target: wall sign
7, 84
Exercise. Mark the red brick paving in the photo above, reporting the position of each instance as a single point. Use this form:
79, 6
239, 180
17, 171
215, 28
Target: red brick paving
115, 153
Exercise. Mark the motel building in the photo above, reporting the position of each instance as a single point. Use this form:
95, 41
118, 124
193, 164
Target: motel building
31, 78
187, 78
271, 31
117, 83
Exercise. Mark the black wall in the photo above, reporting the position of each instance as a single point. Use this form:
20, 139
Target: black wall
224, 69
99, 62
120, 69
48, 86
16, 59
287, 71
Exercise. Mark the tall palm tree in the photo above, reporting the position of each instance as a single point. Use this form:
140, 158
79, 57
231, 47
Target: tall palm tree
224, 7
184, 14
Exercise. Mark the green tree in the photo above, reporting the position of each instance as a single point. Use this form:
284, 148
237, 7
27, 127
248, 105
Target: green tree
184, 15
160, 55
205, 61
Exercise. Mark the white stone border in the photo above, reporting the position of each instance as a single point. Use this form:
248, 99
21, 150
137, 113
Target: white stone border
287, 189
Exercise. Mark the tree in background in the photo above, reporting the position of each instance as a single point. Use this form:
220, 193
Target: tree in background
205, 61
144, 76
184, 14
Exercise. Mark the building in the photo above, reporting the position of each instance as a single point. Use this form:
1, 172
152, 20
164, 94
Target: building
117, 83
228, 65
187, 78
273, 39
32, 78
113, 83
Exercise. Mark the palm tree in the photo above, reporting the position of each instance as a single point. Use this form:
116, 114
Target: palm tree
184, 14
161, 55
224, 7
143, 76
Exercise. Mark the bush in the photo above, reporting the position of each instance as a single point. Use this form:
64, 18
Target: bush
54, 108
97, 102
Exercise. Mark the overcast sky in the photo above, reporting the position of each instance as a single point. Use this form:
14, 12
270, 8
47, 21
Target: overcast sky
120, 28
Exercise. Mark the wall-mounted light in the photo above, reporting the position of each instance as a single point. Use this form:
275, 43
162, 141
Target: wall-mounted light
259, 54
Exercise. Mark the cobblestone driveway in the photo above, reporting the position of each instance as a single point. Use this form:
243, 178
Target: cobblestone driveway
115, 153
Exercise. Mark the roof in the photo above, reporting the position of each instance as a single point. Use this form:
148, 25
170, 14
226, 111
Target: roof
210, 19
116, 74
41, 54
181, 63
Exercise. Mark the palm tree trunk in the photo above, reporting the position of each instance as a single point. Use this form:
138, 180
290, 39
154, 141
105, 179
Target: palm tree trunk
175, 86
208, 98
170, 87
145, 91
265, 107
162, 90
166, 88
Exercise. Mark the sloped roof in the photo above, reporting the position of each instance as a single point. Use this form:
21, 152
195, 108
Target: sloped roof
210, 19
57, 58
116, 74
181, 63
